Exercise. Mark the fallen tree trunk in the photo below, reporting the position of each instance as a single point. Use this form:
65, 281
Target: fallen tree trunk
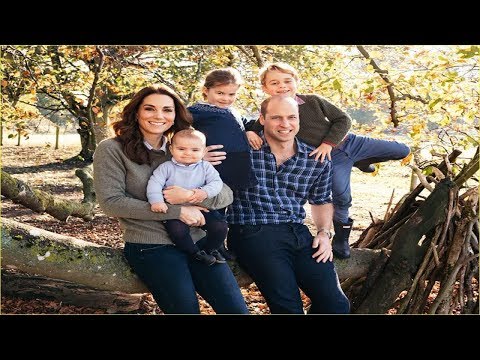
43, 202
36, 251
35, 286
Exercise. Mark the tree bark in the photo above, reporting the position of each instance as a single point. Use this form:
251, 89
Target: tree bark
87, 139
36, 251
34, 286
40, 201
407, 254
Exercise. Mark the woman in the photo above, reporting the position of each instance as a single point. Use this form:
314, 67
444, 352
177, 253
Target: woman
122, 167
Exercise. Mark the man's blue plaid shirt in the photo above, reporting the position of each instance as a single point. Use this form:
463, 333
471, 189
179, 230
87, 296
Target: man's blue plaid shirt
280, 195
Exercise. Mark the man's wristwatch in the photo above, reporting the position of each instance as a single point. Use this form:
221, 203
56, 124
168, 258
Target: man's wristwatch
329, 234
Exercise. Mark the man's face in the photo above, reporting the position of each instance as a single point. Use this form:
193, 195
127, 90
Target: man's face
281, 121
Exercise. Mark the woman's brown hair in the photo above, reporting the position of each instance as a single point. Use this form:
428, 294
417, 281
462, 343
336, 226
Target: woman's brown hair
128, 132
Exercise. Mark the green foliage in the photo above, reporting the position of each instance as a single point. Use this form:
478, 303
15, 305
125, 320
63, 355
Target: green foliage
433, 86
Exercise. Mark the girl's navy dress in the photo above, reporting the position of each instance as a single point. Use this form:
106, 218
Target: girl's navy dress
225, 127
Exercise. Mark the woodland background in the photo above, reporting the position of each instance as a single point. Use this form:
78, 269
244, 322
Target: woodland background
426, 96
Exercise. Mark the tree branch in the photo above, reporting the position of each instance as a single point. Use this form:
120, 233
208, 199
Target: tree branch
382, 73
40, 201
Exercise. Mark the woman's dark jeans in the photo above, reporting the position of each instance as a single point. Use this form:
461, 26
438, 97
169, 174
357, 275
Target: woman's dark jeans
279, 259
173, 277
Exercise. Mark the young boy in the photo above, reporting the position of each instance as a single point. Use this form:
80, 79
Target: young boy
325, 126
188, 170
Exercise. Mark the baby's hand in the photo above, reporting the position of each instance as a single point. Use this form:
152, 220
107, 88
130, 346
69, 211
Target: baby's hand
198, 196
159, 207
254, 140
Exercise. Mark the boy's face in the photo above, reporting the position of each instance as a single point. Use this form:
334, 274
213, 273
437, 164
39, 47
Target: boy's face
187, 150
222, 96
279, 83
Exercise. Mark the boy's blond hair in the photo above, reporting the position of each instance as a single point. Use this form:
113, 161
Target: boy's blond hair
279, 66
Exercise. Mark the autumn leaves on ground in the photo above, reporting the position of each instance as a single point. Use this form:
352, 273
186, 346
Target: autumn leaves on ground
43, 168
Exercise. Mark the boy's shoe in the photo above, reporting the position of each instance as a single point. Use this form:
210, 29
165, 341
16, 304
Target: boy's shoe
219, 259
204, 257
365, 166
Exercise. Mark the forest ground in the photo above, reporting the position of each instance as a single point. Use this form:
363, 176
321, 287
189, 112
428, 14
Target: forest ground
43, 167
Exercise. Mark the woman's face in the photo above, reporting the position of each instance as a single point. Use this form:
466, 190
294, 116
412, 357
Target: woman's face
156, 114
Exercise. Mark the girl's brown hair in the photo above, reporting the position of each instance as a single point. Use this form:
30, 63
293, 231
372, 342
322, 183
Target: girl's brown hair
223, 76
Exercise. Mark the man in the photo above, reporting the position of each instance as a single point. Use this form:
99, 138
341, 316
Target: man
267, 233
327, 128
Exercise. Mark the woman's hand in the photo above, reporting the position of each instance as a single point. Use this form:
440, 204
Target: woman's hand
198, 196
322, 151
177, 195
192, 216
214, 157
254, 140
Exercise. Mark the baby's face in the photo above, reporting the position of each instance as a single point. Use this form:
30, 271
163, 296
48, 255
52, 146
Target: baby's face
187, 150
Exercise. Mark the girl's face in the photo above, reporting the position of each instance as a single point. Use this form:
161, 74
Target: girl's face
279, 83
156, 114
222, 96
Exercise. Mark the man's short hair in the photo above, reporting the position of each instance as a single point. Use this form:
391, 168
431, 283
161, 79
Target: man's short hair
264, 105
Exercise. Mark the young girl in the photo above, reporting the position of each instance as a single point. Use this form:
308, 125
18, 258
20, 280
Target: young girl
325, 126
222, 125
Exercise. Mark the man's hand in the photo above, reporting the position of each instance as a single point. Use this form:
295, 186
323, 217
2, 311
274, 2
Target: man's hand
322, 151
214, 157
324, 245
254, 140
159, 207
192, 216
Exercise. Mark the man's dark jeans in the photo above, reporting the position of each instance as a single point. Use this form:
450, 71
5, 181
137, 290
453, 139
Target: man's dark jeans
173, 277
279, 259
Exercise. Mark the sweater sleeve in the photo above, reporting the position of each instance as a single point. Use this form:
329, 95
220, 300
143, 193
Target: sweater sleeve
110, 187
223, 199
213, 182
156, 183
254, 126
249, 124
340, 121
